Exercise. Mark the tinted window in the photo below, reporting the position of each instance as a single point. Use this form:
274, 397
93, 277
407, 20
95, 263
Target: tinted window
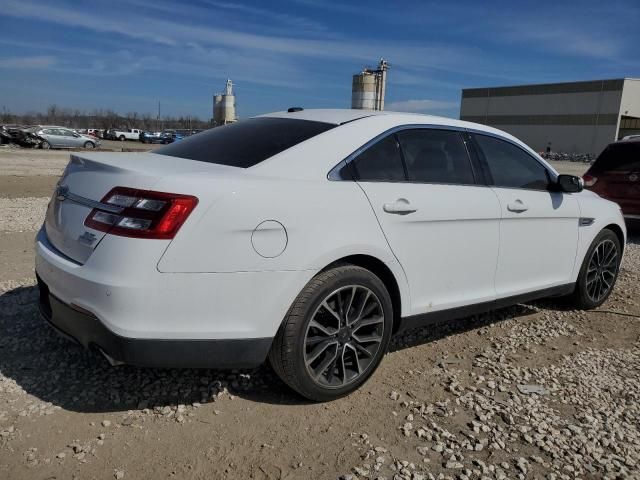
510, 166
435, 156
618, 157
380, 162
245, 143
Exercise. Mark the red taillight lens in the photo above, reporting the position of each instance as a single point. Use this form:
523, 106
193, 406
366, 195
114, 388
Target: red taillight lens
144, 213
589, 180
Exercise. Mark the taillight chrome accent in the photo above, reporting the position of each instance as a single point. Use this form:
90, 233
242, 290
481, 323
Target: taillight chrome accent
589, 180
144, 213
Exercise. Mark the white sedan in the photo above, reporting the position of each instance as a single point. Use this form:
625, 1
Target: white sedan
310, 237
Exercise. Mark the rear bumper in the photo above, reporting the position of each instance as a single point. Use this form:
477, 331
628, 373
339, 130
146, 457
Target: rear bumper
87, 330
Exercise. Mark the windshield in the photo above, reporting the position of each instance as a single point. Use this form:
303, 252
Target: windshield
619, 157
245, 143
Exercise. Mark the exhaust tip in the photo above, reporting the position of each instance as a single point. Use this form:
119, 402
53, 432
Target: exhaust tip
112, 361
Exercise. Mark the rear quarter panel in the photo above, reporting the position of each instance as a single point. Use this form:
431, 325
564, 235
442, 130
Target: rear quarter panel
324, 221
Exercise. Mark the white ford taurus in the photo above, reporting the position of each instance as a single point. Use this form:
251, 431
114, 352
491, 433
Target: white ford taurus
310, 238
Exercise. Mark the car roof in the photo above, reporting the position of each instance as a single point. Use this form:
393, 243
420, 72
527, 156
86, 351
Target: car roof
356, 128
336, 116
341, 116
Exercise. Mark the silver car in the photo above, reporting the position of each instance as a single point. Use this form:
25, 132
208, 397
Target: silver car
61, 137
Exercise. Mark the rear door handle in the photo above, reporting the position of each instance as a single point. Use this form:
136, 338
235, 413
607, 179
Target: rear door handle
517, 206
399, 207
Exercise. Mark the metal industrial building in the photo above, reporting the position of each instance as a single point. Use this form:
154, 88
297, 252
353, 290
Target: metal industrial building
577, 117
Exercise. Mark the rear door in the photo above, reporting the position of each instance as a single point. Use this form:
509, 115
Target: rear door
539, 227
52, 137
440, 224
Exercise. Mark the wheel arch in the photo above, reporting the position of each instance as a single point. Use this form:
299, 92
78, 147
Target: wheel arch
615, 228
383, 272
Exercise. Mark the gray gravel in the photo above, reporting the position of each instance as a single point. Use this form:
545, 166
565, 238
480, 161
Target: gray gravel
22, 214
583, 422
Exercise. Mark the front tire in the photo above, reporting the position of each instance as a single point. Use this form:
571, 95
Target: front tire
122, 138
89, 145
45, 145
599, 271
335, 334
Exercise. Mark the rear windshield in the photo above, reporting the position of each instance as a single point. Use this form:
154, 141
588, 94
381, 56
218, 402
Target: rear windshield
245, 143
619, 157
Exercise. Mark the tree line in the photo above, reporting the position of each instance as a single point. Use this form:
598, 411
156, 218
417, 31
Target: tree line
102, 119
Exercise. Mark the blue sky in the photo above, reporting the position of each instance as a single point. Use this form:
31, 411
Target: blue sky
127, 55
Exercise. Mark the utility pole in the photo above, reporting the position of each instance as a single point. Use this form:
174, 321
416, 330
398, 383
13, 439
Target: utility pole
158, 118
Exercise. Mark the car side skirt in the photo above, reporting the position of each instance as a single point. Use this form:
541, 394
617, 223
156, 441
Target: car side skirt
430, 318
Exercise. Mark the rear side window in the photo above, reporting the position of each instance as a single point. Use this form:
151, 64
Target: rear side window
245, 143
436, 156
618, 157
510, 166
380, 163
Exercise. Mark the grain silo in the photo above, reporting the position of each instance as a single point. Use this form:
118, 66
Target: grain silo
368, 87
224, 106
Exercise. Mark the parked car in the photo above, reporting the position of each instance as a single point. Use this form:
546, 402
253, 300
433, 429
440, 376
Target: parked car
615, 175
61, 137
311, 238
155, 137
129, 134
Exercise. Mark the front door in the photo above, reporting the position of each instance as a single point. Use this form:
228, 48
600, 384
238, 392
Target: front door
442, 227
539, 227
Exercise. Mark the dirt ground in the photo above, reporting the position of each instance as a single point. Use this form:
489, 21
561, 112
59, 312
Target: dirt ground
448, 401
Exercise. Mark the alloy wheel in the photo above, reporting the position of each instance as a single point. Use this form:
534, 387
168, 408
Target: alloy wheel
344, 336
602, 270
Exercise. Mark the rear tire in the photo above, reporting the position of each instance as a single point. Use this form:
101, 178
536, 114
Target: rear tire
121, 138
335, 334
598, 273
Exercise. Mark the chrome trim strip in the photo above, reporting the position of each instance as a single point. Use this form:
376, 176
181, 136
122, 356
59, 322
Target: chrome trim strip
63, 194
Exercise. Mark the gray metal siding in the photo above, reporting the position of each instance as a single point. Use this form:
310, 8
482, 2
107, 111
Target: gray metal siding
545, 89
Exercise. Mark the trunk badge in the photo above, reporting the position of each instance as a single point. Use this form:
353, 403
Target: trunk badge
87, 238
61, 193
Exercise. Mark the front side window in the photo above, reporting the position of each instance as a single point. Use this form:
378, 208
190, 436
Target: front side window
436, 156
510, 166
245, 143
381, 162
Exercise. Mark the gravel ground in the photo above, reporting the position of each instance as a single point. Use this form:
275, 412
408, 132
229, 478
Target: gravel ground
532, 391
22, 214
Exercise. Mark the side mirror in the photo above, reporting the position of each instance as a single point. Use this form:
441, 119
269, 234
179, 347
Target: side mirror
570, 183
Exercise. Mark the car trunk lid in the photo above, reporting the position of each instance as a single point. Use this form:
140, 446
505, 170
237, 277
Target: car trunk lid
85, 182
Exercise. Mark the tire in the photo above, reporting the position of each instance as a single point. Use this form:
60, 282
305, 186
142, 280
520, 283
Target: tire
121, 138
603, 259
351, 352
89, 145
45, 145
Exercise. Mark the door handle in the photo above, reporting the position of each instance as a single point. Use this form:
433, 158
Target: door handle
399, 207
517, 206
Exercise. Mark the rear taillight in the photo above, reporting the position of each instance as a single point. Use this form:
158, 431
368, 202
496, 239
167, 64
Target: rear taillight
589, 180
143, 214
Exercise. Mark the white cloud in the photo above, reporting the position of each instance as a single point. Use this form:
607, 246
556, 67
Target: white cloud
420, 106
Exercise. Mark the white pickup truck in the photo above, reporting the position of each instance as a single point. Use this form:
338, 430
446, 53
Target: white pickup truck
128, 134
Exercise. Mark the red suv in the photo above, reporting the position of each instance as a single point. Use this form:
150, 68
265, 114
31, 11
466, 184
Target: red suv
615, 175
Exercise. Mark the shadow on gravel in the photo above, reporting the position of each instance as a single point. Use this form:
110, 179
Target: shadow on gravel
55, 370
